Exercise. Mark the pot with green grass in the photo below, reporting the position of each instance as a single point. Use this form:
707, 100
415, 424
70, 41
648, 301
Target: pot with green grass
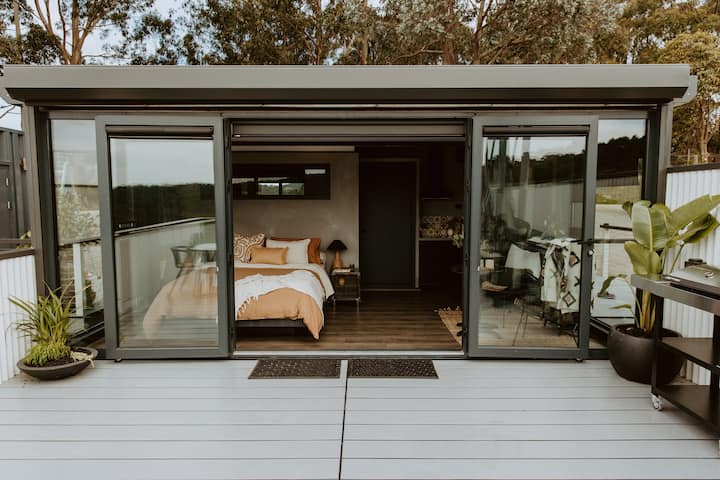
46, 322
659, 236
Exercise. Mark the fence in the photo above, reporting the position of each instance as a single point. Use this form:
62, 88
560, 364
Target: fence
683, 185
17, 279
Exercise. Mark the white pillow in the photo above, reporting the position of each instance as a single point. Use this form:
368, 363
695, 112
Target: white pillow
297, 250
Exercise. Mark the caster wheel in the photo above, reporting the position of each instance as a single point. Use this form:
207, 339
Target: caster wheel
657, 403
579, 360
118, 360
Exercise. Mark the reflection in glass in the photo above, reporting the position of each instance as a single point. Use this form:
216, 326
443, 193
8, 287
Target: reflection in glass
621, 156
163, 212
531, 218
78, 225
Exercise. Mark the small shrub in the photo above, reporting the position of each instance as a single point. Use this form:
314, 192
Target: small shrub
41, 354
46, 322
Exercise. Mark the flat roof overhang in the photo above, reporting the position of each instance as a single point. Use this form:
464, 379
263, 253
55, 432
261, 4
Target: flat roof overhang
88, 85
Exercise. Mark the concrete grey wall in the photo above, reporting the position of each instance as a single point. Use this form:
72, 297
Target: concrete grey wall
332, 219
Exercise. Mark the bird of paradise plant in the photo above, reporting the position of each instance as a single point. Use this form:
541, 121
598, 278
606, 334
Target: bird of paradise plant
658, 234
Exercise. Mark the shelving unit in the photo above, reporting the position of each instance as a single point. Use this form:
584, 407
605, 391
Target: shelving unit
700, 401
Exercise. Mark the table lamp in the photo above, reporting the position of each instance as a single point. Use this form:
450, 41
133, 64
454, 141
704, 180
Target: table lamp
337, 246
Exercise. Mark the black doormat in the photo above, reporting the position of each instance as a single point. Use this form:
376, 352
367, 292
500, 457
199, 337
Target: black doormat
392, 367
296, 368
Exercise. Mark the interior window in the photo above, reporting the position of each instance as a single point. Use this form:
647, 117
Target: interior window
286, 180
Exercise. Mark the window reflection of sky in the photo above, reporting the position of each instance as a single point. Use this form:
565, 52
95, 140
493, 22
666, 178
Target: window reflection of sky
161, 161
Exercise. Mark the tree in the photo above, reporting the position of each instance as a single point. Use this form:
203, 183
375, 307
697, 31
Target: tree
358, 27
501, 31
58, 31
22, 40
543, 31
152, 40
261, 31
702, 51
650, 24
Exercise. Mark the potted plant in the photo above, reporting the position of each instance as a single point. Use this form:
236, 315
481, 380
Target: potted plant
46, 322
658, 234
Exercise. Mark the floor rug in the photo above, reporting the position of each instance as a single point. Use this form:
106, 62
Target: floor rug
451, 317
296, 368
392, 367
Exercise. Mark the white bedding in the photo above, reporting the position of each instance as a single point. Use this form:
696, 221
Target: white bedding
318, 269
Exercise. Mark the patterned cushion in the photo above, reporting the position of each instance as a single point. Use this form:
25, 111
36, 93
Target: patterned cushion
242, 244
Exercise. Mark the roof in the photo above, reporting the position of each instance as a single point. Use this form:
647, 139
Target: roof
107, 85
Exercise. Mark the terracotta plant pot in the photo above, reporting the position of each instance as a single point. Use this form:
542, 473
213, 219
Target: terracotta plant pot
632, 356
57, 372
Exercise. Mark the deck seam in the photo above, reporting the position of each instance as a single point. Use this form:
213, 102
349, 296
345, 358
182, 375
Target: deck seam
342, 431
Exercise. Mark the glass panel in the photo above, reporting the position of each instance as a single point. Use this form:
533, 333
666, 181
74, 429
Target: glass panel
163, 212
531, 219
621, 156
78, 226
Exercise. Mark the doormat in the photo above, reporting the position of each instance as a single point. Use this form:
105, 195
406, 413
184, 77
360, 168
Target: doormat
452, 319
392, 368
296, 368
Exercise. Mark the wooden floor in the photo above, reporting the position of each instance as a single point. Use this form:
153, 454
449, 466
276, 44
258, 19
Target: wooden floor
479, 419
382, 321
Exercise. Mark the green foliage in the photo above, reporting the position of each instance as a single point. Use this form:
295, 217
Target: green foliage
52, 32
42, 353
75, 221
681, 32
46, 322
657, 230
697, 121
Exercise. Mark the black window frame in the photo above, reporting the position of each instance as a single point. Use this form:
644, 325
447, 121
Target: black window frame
288, 172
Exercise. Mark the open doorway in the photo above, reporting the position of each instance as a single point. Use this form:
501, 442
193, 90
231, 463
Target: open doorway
349, 247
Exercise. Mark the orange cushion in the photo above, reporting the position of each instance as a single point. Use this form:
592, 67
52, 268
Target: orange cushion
273, 256
313, 247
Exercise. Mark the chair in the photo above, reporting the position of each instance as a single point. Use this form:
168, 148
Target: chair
183, 257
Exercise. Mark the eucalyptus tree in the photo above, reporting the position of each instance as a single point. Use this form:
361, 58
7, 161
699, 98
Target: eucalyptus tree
698, 120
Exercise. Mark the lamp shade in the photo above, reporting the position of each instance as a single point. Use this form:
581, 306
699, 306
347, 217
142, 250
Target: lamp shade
336, 246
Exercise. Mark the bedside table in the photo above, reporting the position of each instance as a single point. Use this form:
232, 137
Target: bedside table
346, 285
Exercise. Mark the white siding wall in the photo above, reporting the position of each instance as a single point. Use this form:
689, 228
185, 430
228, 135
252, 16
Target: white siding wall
17, 279
690, 322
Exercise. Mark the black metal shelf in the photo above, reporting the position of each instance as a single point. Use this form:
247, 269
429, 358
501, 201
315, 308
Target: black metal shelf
701, 351
700, 401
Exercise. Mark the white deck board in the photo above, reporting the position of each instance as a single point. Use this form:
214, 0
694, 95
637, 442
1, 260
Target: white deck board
571, 469
479, 419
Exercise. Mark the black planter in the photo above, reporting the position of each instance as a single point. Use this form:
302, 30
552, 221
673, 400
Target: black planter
632, 357
58, 372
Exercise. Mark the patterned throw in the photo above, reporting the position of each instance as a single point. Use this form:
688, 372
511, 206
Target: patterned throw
561, 275
242, 245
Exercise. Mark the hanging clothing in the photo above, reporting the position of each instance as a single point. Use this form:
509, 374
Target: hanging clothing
560, 277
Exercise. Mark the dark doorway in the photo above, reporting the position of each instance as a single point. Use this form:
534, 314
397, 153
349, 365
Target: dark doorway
388, 210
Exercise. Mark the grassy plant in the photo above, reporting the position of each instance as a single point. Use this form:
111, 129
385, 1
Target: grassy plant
41, 354
46, 322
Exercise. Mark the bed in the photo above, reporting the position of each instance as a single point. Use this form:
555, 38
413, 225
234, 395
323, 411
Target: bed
264, 295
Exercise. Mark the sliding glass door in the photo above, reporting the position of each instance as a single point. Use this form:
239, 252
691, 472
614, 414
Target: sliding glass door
162, 185
532, 220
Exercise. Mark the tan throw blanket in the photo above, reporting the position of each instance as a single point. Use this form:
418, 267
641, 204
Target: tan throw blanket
194, 295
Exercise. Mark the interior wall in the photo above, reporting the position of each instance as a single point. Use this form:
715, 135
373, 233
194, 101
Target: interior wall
336, 218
